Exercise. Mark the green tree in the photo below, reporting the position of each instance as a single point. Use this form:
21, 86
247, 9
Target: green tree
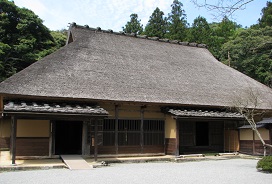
23, 39
156, 25
60, 37
250, 52
200, 32
266, 19
134, 25
177, 23
221, 33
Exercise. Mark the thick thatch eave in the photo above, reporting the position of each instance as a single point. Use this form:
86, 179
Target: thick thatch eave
101, 65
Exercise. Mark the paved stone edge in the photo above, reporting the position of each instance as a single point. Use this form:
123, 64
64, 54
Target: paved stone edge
25, 168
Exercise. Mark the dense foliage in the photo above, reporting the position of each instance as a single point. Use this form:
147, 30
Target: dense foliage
266, 19
157, 24
134, 25
23, 39
177, 23
265, 164
250, 51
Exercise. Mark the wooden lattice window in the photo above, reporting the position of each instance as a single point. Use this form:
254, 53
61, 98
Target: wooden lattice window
153, 132
129, 132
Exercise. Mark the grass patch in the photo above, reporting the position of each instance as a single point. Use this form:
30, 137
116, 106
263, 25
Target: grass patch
265, 164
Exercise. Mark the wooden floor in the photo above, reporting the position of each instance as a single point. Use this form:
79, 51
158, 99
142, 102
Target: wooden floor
75, 162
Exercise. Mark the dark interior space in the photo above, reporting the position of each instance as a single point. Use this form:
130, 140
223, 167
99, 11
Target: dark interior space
202, 134
68, 137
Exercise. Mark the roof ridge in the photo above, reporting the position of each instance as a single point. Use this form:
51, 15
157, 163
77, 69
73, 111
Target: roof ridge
166, 40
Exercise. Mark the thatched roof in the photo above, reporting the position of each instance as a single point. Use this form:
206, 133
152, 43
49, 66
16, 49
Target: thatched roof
102, 65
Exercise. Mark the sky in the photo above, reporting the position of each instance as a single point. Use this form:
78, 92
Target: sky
114, 14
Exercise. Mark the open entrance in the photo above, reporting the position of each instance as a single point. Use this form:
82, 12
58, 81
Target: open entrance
202, 134
68, 137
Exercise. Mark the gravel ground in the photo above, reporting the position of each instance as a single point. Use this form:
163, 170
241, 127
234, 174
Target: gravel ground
213, 172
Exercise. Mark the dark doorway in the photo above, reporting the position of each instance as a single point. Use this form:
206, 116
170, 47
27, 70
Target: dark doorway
202, 134
68, 137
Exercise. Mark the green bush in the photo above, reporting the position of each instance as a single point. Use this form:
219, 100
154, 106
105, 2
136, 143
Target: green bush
265, 164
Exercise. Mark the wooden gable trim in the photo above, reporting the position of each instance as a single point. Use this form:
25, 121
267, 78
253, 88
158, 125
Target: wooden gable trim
1, 104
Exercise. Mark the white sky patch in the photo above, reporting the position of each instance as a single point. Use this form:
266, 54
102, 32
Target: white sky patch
114, 14
35, 6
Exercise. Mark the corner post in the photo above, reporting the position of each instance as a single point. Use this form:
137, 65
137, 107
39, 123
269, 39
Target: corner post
253, 143
142, 129
50, 138
95, 139
116, 129
13, 139
177, 137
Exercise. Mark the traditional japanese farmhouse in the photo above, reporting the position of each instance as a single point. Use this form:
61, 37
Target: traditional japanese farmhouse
115, 94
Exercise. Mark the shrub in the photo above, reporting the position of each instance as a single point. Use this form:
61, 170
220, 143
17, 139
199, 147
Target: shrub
265, 164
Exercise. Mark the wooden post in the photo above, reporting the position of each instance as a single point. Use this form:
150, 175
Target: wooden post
50, 138
142, 129
253, 143
224, 137
1, 104
116, 129
177, 138
95, 139
53, 136
13, 139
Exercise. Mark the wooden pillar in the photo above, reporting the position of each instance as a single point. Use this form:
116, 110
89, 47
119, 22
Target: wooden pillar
13, 139
253, 143
51, 139
224, 137
116, 129
1, 104
95, 139
142, 129
177, 137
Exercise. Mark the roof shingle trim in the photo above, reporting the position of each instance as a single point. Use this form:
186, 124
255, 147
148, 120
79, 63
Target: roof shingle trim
98, 29
204, 113
265, 121
259, 124
53, 108
249, 127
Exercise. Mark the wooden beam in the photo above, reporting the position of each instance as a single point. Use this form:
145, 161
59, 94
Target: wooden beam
13, 139
95, 139
116, 129
53, 116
